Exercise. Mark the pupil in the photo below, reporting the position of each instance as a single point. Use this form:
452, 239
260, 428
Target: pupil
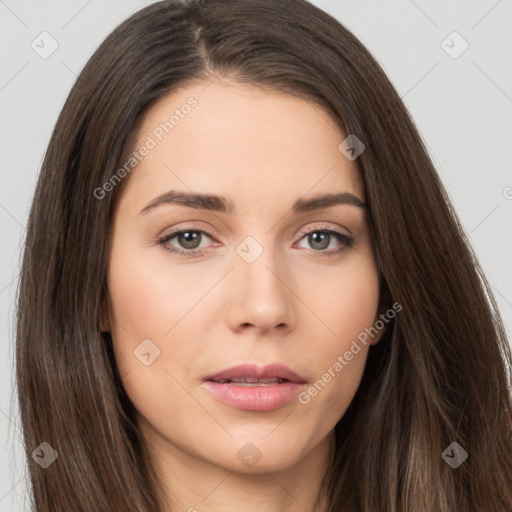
319, 238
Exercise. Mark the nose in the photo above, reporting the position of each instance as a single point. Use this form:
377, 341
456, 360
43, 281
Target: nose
261, 298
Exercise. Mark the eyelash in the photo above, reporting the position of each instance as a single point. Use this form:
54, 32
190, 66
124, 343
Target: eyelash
346, 241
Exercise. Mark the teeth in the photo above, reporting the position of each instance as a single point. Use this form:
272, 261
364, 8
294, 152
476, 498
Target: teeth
245, 380
252, 381
253, 384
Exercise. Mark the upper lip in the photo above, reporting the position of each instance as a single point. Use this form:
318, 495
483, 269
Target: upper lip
254, 372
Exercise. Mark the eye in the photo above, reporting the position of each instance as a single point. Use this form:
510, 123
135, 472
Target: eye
320, 239
188, 240
323, 241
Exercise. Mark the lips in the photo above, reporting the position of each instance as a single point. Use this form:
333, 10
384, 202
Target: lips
254, 388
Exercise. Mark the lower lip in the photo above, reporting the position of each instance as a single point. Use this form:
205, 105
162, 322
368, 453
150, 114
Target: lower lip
255, 398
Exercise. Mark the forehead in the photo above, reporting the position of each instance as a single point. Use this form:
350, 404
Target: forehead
237, 140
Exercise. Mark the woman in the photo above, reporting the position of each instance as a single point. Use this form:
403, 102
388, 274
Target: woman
244, 285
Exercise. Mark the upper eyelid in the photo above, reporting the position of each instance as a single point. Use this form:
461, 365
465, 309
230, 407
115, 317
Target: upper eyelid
320, 228
303, 231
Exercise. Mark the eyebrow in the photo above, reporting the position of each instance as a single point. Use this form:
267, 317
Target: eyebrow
223, 205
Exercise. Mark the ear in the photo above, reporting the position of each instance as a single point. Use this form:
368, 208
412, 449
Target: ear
377, 337
380, 324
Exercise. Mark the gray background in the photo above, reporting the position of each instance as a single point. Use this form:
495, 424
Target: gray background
462, 107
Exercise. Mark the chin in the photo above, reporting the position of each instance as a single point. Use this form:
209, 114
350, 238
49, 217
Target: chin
266, 452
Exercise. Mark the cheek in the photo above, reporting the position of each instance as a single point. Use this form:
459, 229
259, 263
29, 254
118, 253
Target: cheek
147, 347
145, 296
150, 295
151, 316
349, 303
344, 299
347, 306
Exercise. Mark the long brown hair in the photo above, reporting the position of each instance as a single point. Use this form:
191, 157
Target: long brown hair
439, 375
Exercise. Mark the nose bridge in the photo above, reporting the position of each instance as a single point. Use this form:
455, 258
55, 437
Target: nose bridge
260, 296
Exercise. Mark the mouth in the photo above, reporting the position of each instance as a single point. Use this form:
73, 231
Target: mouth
254, 388
251, 381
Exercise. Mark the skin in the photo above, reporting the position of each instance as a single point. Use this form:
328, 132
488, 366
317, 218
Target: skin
293, 305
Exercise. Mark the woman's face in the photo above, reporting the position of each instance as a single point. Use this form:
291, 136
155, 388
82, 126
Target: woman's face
266, 278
